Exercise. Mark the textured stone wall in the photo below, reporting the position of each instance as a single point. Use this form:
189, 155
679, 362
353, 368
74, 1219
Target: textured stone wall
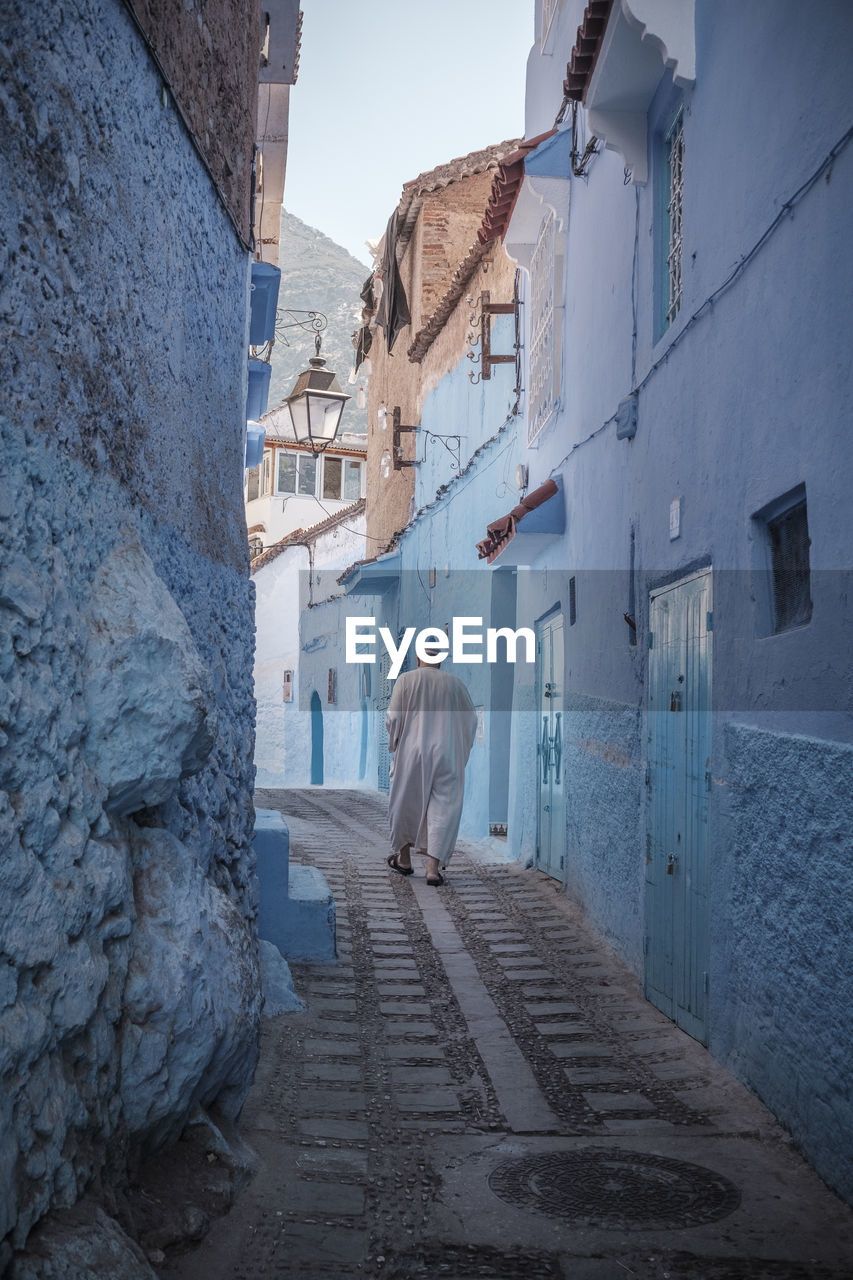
210, 50
128, 965
783, 882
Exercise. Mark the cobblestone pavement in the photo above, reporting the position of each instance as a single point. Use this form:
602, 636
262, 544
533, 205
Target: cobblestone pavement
479, 1088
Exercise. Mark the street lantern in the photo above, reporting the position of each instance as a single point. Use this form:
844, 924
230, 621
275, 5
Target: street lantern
316, 404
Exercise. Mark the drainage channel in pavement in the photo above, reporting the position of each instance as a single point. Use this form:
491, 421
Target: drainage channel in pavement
478, 1088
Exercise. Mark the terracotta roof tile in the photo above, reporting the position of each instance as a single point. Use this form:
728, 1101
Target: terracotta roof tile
587, 44
505, 189
300, 536
428, 332
442, 176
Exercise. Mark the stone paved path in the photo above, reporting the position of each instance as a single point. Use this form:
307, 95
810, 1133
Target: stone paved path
479, 1088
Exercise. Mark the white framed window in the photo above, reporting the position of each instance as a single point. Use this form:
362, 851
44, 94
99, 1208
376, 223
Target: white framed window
253, 483
296, 473
549, 9
266, 473
543, 367
342, 478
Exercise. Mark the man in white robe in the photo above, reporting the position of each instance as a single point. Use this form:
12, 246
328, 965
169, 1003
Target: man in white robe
431, 725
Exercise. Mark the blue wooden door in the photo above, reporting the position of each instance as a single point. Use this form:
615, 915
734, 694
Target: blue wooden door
551, 810
316, 739
679, 777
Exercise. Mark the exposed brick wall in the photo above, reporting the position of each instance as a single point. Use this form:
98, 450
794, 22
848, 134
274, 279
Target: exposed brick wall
446, 229
210, 50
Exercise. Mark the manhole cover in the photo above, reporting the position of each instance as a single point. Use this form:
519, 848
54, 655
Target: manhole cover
603, 1188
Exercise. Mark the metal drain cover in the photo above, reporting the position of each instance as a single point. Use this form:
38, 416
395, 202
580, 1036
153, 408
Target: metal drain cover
599, 1187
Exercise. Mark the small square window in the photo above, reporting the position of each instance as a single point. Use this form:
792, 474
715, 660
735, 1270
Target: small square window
784, 594
788, 535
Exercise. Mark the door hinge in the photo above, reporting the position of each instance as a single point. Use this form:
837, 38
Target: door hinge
646, 945
707, 779
705, 982
562, 861
648, 775
650, 640
709, 621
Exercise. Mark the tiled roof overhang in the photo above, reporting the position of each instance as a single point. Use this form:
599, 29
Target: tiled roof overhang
505, 189
299, 537
587, 46
426, 335
442, 176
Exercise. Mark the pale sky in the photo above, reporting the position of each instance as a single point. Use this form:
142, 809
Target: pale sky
387, 89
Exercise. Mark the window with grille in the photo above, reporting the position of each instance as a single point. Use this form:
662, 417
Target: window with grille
541, 366
674, 151
253, 483
549, 8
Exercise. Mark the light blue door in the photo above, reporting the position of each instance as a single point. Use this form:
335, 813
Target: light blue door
679, 780
551, 814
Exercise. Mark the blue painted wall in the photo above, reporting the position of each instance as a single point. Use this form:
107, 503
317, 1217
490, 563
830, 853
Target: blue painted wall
122, 394
735, 409
743, 398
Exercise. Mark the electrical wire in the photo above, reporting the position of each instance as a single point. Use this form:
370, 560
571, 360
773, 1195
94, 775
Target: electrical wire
787, 208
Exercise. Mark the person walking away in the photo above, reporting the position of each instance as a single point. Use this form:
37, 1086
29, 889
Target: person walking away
431, 725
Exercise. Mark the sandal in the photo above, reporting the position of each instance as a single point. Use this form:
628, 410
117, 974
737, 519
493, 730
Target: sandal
435, 881
395, 865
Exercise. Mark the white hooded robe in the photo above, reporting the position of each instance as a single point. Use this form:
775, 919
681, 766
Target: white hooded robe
431, 725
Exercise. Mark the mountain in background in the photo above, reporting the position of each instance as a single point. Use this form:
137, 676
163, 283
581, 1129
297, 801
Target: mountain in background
318, 275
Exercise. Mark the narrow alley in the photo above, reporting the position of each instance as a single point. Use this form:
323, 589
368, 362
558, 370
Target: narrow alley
478, 1088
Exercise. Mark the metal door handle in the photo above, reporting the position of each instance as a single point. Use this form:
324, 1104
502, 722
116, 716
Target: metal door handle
557, 741
545, 748
671, 862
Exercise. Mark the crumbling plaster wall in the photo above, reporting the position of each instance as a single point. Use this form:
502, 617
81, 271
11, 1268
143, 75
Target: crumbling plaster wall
128, 964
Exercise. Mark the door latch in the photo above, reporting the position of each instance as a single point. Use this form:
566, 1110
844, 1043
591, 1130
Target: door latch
671, 862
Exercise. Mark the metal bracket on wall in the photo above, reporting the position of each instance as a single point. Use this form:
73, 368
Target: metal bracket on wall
489, 309
396, 444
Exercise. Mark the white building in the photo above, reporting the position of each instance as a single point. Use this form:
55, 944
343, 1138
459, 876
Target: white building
298, 573
292, 489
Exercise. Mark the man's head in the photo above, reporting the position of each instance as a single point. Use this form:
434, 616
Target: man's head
431, 653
